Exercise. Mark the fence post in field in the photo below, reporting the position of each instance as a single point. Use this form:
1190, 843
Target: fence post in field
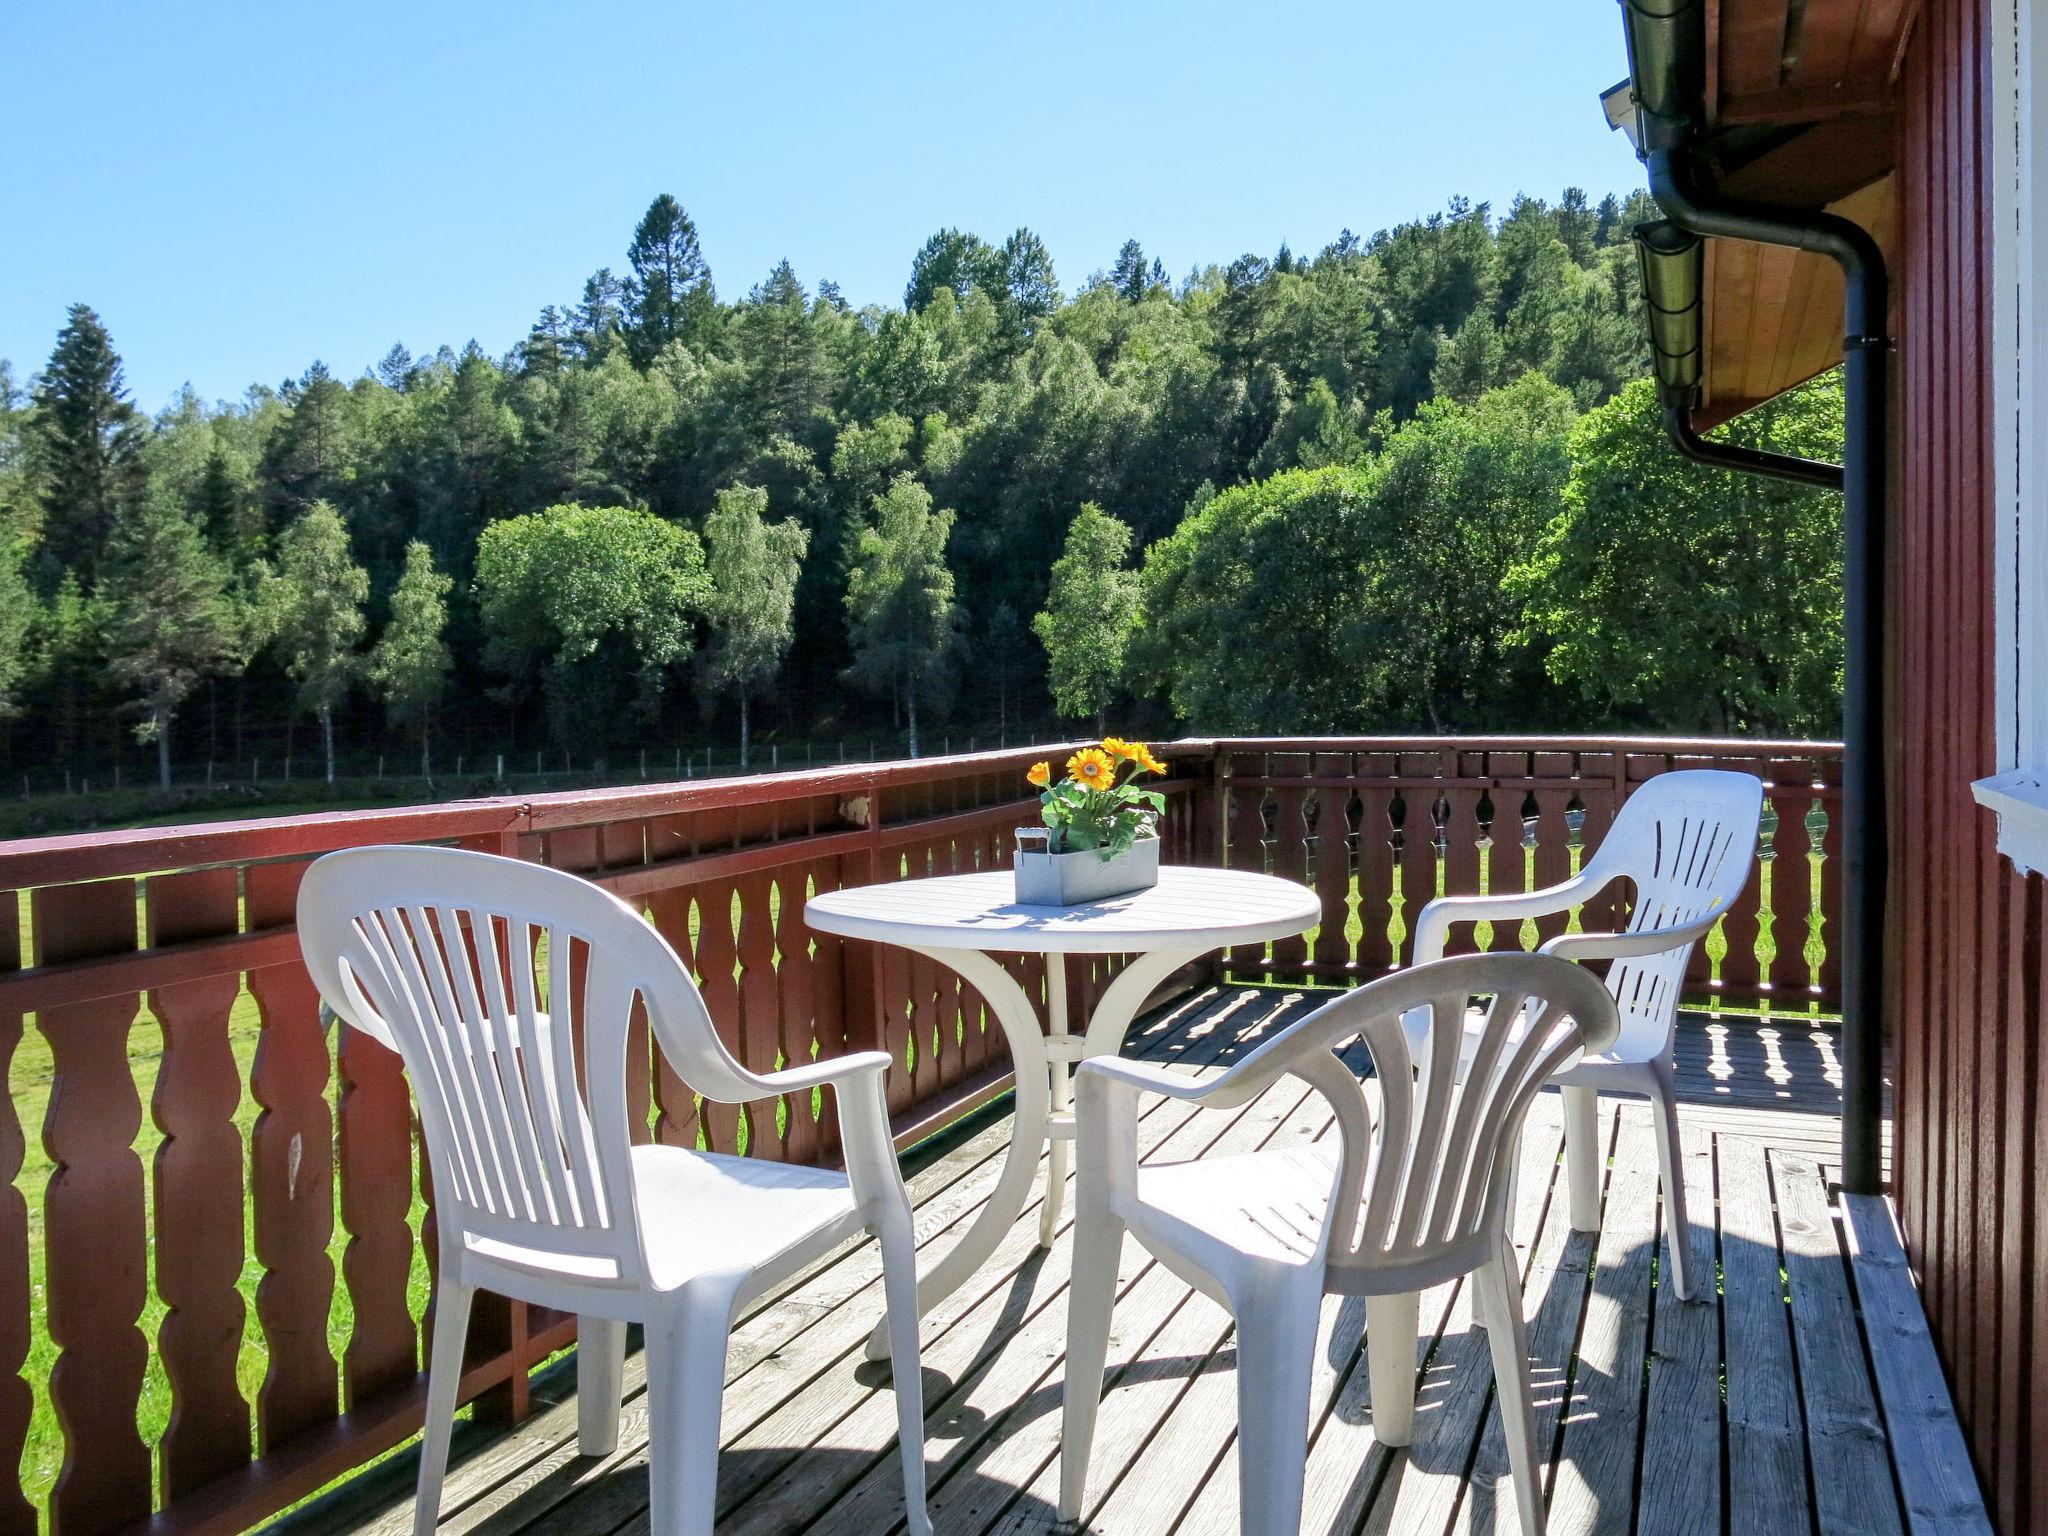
458, 765
774, 756
380, 765
643, 762
501, 765
209, 773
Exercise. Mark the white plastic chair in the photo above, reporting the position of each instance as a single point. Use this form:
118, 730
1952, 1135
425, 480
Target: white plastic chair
509, 990
1685, 841
1418, 1197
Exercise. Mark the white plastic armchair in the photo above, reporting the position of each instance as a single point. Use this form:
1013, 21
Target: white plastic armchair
1394, 1204
1685, 842
509, 989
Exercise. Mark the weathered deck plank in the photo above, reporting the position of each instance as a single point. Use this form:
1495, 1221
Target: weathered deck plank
1837, 1376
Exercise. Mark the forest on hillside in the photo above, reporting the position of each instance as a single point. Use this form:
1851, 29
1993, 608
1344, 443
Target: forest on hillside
1410, 481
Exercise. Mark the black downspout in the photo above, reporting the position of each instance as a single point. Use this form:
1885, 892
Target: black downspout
1748, 461
1865, 347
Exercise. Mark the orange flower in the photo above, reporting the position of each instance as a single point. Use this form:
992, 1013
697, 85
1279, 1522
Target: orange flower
1142, 756
1116, 746
1040, 774
1092, 768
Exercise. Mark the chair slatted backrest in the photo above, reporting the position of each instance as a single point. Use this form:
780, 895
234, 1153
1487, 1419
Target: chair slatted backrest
1685, 842
1422, 1182
509, 989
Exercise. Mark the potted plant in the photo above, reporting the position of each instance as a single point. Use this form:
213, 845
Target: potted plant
1101, 832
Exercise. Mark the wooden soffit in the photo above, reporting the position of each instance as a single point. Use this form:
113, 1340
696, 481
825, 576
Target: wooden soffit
1774, 315
1800, 100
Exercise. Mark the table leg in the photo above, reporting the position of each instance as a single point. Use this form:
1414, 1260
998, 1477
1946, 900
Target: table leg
1019, 1021
1059, 1069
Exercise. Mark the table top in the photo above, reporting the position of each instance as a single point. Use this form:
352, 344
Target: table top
1190, 908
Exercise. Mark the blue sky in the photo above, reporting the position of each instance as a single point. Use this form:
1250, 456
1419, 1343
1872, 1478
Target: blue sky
239, 189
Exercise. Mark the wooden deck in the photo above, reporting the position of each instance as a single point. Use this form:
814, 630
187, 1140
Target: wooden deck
1803, 1397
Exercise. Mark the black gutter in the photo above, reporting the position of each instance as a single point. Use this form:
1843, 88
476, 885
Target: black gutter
1672, 264
1686, 439
1865, 348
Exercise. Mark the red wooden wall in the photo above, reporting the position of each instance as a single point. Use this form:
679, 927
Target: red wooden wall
1966, 983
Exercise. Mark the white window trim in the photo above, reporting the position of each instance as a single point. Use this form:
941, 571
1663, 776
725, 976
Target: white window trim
2018, 792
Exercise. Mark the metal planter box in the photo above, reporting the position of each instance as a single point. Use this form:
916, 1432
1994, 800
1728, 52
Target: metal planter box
1068, 879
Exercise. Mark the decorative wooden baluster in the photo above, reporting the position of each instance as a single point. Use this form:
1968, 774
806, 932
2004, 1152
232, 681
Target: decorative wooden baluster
760, 1009
291, 1179
1418, 861
1792, 897
1246, 848
798, 1012
675, 1103
17, 1401
94, 1236
1375, 865
1333, 953
832, 1023
621, 845
198, 1189
1829, 896
1553, 788
1461, 849
718, 979
1290, 853
1741, 926
1603, 788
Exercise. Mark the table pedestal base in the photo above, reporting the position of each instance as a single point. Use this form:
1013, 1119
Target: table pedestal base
1044, 1059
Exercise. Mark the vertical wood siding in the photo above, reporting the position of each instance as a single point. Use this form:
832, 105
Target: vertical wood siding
1966, 957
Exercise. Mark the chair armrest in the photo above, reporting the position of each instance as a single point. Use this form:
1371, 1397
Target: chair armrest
1624, 946
820, 1074
1433, 923
1239, 1085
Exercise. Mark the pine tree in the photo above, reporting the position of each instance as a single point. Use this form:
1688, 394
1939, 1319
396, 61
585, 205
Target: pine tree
669, 297
172, 623
1089, 610
899, 599
395, 369
596, 320
17, 619
88, 442
1128, 275
315, 607
408, 666
754, 565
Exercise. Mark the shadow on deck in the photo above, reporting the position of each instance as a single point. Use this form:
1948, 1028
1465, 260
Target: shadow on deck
1795, 1396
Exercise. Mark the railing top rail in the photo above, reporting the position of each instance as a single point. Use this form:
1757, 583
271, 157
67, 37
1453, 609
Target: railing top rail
79, 856
1674, 746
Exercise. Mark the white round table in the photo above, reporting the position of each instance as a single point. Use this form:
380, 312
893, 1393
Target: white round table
961, 920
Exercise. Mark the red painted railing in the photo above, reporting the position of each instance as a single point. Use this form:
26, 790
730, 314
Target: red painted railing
198, 1127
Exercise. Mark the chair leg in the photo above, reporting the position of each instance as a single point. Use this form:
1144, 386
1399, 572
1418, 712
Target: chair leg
1671, 1165
685, 1352
444, 1380
1276, 1347
899, 1285
1056, 1160
1479, 1303
600, 1377
1510, 1341
1582, 1159
1091, 1296
1390, 1334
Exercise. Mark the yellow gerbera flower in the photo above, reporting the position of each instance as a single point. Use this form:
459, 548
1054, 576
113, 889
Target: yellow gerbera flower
1142, 756
1116, 746
1092, 768
1040, 774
